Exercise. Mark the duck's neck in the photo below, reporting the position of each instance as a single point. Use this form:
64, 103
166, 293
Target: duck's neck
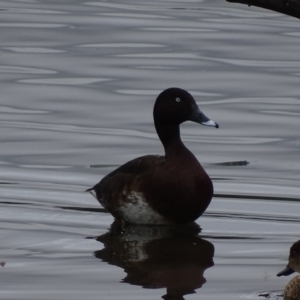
170, 138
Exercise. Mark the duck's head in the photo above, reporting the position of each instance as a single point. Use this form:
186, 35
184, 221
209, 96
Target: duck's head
174, 106
294, 261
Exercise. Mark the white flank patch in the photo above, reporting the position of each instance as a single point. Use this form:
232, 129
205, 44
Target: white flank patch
137, 211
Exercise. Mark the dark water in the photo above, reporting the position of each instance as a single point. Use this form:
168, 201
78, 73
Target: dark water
78, 83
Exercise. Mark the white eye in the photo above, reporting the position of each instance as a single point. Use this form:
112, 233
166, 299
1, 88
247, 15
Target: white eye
177, 99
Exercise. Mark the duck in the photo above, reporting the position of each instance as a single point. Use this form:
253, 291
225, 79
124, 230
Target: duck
161, 189
292, 289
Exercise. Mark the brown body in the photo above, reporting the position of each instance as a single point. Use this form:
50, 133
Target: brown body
292, 289
153, 176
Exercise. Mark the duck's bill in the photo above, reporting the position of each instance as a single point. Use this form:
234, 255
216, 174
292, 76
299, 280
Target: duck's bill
210, 123
287, 271
199, 117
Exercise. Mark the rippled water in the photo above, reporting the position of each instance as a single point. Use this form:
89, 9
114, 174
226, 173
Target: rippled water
78, 83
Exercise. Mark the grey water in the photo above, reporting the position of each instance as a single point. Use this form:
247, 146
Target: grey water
78, 84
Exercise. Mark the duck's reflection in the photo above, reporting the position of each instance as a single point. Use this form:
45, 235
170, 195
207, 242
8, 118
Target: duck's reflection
157, 257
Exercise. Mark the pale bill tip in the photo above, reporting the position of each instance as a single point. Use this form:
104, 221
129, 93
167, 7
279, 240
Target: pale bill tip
210, 123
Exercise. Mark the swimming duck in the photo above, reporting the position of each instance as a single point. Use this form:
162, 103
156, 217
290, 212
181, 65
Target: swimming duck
159, 190
292, 289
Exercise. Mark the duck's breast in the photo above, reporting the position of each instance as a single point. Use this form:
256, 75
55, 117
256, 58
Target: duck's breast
292, 290
180, 193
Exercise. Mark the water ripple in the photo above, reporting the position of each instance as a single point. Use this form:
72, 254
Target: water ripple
32, 25
33, 50
25, 70
64, 80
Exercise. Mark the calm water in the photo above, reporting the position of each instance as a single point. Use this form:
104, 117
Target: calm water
78, 83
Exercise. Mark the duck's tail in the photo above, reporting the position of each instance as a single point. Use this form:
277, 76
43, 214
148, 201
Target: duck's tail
92, 191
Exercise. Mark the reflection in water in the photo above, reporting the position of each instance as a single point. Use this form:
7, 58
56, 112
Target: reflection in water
153, 257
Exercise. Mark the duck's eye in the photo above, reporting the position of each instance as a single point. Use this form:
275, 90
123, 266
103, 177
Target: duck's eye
177, 99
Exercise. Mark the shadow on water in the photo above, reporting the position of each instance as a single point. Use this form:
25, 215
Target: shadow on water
171, 257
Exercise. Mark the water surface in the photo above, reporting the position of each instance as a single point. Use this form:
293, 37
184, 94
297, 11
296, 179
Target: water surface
78, 83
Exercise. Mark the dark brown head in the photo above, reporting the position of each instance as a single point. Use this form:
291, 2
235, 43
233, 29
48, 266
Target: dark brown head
294, 260
174, 106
